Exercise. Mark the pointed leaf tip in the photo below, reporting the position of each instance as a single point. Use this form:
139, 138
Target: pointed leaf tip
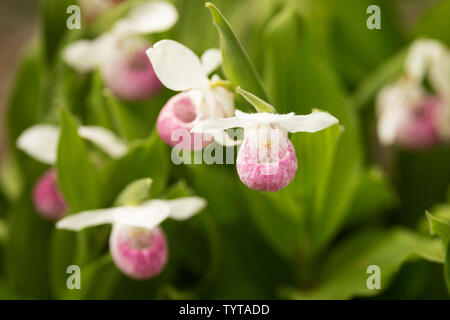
259, 104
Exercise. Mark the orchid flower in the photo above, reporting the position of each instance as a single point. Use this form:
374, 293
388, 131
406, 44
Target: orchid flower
137, 243
266, 160
409, 114
41, 143
180, 69
120, 52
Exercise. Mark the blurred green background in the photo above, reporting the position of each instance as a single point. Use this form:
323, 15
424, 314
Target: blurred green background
351, 205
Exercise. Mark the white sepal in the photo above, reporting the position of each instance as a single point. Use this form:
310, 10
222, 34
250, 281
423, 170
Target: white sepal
40, 142
105, 140
146, 216
185, 208
312, 122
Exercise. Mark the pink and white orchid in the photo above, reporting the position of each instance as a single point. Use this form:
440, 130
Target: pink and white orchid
180, 69
41, 143
409, 114
267, 160
137, 243
120, 52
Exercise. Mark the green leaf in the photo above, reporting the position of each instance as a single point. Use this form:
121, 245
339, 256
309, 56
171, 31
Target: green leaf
385, 73
26, 250
435, 23
146, 159
259, 104
236, 63
300, 81
54, 26
25, 104
447, 268
344, 273
97, 112
374, 194
135, 192
62, 254
357, 49
439, 227
128, 125
78, 179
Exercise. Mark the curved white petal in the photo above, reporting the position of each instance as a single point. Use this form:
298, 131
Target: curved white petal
105, 140
150, 17
422, 55
85, 219
213, 125
440, 76
86, 55
184, 208
40, 142
312, 122
148, 215
263, 117
211, 60
176, 66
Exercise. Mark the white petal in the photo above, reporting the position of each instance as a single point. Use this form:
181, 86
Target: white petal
85, 219
213, 125
423, 54
150, 17
86, 55
148, 215
40, 142
105, 140
312, 122
176, 66
263, 117
184, 208
211, 60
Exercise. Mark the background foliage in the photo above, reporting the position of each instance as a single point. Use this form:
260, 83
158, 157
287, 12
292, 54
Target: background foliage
350, 205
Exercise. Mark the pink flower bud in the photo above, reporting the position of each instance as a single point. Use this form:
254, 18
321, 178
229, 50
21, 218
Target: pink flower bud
266, 160
139, 253
178, 117
129, 73
48, 201
420, 129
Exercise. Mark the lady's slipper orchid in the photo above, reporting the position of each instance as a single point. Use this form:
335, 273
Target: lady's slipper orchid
179, 69
41, 143
266, 160
409, 114
137, 244
120, 53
